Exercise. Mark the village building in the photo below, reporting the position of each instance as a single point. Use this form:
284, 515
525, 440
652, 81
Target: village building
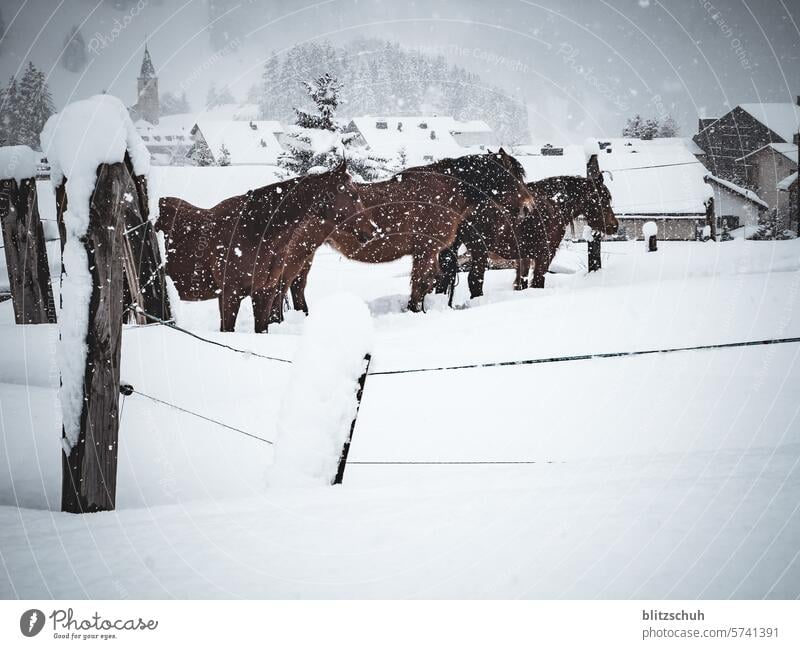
237, 142
657, 180
766, 168
728, 141
147, 106
418, 139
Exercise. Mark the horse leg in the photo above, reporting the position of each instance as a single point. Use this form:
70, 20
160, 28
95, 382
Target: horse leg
523, 270
263, 301
424, 270
477, 270
228, 310
448, 263
298, 289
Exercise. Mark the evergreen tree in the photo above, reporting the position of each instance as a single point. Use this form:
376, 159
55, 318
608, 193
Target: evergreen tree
219, 97
649, 129
668, 127
35, 106
224, 157
172, 104
200, 154
770, 227
9, 114
633, 127
74, 58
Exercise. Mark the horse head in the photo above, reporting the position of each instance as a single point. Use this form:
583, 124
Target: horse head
597, 206
515, 196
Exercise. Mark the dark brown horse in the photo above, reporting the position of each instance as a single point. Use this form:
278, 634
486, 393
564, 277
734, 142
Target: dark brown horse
558, 201
570, 197
253, 244
489, 228
418, 212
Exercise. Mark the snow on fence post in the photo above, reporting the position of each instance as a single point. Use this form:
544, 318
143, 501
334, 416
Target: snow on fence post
86, 144
318, 412
23, 238
650, 234
594, 261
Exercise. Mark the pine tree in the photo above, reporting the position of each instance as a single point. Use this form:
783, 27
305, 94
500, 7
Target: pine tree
35, 106
219, 97
633, 127
74, 58
200, 154
172, 104
649, 129
9, 114
224, 156
668, 127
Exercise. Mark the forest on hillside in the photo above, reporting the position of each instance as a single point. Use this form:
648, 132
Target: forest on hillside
380, 77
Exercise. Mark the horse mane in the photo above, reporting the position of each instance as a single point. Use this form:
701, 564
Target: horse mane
478, 171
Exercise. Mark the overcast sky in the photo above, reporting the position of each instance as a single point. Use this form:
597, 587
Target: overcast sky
581, 66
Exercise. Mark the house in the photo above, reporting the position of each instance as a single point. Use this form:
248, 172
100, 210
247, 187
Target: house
414, 138
657, 180
169, 141
727, 141
787, 189
473, 134
253, 142
765, 169
735, 206
654, 180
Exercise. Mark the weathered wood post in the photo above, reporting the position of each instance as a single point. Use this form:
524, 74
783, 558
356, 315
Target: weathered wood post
23, 238
86, 144
594, 261
90, 444
146, 284
711, 219
346, 448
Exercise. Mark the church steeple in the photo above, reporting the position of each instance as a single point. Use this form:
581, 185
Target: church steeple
147, 105
147, 71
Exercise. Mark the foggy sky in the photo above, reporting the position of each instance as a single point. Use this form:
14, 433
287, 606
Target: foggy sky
581, 66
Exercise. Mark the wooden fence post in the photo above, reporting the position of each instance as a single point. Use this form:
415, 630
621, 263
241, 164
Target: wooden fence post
594, 261
146, 284
346, 448
26, 255
90, 470
711, 219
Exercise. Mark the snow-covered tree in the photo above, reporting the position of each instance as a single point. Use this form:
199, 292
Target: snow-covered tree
218, 97
200, 154
31, 105
9, 114
668, 127
172, 104
224, 158
324, 92
633, 126
74, 58
771, 227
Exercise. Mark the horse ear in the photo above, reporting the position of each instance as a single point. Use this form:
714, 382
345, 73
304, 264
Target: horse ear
342, 166
502, 151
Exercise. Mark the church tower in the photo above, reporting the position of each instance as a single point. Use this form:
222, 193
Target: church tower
147, 106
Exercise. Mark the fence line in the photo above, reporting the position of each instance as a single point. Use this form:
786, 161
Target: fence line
585, 357
126, 389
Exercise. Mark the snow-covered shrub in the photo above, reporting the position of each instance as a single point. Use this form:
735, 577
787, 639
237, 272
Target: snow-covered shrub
320, 400
771, 228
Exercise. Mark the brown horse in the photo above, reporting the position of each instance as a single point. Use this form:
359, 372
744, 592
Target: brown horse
253, 244
419, 211
489, 228
570, 197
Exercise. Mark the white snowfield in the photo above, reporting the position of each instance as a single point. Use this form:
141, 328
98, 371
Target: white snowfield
661, 476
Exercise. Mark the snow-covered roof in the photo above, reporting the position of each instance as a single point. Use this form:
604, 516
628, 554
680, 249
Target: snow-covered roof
786, 149
782, 118
251, 142
18, 162
745, 193
469, 126
386, 136
655, 177
787, 182
572, 162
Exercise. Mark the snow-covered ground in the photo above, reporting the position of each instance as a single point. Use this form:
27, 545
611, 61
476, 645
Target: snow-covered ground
671, 475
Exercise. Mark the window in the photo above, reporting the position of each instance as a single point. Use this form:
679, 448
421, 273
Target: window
381, 125
423, 125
